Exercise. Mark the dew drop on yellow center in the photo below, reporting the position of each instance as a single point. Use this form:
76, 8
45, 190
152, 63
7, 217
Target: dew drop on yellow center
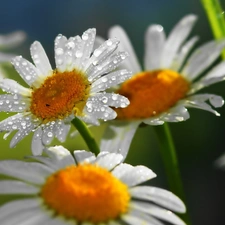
86, 193
151, 93
60, 95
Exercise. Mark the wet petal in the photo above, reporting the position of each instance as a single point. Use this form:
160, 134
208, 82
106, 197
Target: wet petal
109, 161
110, 80
176, 38
82, 155
17, 187
40, 59
29, 73
159, 196
13, 87
202, 58
28, 171
133, 175
157, 212
132, 62
117, 138
154, 44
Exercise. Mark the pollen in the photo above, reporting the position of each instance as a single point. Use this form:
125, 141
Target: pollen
151, 93
86, 193
60, 95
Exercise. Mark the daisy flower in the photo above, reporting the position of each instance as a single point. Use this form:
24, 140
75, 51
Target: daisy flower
74, 89
167, 86
84, 190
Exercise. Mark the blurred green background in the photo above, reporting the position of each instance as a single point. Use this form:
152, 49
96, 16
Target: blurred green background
199, 141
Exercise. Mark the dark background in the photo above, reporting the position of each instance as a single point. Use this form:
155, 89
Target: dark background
199, 141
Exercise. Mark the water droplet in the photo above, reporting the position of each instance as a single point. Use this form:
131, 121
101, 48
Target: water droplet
106, 115
7, 101
123, 105
14, 127
109, 42
102, 109
78, 54
28, 77
24, 63
85, 36
113, 78
97, 52
114, 97
49, 134
35, 56
59, 61
123, 56
70, 44
59, 51
99, 68
115, 61
89, 109
23, 123
104, 79
10, 123
1, 102
104, 99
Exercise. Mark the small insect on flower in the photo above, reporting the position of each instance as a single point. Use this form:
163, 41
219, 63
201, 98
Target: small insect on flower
167, 86
74, 89
86, 190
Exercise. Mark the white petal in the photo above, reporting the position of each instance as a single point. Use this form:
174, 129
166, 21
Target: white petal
132, 63
82, 155
95, 109
117, 138
216, 74
21, 134
17, 187
13, 103
136, 217
29, 73
61, 130
157, 212
89, 118
12, 207
110, 80
154, 44
182, 54
13, 87
60, 42
107, 65
220, 162
133, 175
62, 155
199, 101
12, 39
202, 58
48, 134
109, 161
110, 99
101, 54
40, 59
176, 38
28, 171
24, 217
159, 196
36, 145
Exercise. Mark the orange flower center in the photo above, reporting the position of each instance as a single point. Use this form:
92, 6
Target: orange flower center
86, 193
151, 93
60, 95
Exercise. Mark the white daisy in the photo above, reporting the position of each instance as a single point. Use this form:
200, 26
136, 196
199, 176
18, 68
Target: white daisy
84, 190
167, 86
74, 89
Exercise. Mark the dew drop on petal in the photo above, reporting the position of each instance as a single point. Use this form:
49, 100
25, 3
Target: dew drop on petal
59, 51
85, 36
97, 52
114, 97
14, 127
1, 102
28, 77
104, 99
78, 54
109, 42
49, 134
104, 79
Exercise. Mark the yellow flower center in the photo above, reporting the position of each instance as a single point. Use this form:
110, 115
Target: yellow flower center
151, 93
86, 193
60, 95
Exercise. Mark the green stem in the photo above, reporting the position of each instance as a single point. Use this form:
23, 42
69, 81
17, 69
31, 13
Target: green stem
216, 18
86, 134
170, 161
